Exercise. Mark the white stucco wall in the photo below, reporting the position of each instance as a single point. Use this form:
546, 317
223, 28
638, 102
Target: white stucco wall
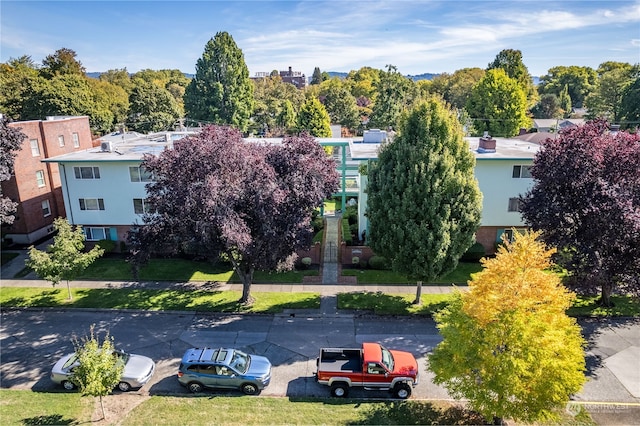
497, 186
114, 187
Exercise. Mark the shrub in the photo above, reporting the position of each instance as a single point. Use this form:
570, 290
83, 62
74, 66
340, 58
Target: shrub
474, 253
306, 261
379, 262
346, 233
351, 214
355, 260
107, 245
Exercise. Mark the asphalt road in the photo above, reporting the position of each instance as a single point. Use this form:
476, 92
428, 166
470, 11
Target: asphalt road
32, 340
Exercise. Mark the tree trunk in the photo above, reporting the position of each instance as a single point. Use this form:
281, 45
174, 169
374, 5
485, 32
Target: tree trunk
102, 408
418, 300
605, 295
247, 278
69, 290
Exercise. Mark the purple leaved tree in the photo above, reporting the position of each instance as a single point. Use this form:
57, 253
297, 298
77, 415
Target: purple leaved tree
215, 194
586, 200
10, 143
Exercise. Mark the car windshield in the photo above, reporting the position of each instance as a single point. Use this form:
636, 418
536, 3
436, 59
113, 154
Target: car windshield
387, 358
240, 362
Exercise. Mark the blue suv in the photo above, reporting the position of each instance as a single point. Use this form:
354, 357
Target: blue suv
224, 368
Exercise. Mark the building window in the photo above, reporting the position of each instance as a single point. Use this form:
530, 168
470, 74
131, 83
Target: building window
46, 208
40, 178
521, 172
514, 205
91, 204
61, 140
87, 172
96, 234
509, 234
35, 148
76, 140
141, 206
139, 174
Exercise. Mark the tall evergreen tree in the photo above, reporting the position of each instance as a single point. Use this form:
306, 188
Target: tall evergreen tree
314, 119
221, 91
316, 78
565, 102
424, 203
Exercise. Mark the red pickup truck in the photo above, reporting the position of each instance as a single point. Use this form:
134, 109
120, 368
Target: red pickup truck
372, 367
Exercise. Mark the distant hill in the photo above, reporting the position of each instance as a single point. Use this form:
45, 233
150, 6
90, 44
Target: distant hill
425, 76
97, 74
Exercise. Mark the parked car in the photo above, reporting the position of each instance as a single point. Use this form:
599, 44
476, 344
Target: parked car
224, 368
138, 370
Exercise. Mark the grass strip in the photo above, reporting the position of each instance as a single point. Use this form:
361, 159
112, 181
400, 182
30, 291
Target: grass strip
156, 300
20, 407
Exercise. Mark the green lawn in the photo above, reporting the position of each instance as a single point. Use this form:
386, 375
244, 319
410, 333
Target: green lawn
117, 269
179, 300
24, 407
460, 275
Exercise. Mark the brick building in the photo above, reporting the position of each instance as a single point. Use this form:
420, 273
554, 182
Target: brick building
36, 186
296, 78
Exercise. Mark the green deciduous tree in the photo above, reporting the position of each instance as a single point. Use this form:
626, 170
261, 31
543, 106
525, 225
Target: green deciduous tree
565, 102
498, 105
339, 103
98, 370
630, 106
66, 258
152, 108
63, 61
508, 345
424, 203
17, 77
510, 60
395, 95
605, 101
547, 107
271, 112
314, 119
221, 91
580, 81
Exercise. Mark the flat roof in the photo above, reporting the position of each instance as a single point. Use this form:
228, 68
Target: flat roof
131, 146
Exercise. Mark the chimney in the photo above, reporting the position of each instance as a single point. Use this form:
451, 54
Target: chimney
487, 143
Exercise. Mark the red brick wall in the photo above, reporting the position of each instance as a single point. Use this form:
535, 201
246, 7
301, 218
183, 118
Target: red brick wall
347, 253
23, 187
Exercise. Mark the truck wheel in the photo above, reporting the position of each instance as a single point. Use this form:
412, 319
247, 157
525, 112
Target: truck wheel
339, 390
402, 391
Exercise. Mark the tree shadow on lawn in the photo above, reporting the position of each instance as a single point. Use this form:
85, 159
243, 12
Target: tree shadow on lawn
386, 304
407, 412
45, 299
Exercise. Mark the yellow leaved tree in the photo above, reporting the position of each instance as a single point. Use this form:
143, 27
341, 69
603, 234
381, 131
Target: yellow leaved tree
508, 345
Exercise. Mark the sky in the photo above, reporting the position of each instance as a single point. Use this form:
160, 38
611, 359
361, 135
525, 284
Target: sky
415, 36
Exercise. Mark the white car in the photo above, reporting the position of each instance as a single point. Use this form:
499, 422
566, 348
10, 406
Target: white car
138, 370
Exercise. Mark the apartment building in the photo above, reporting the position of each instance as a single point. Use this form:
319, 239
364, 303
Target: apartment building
36, 185
104, 187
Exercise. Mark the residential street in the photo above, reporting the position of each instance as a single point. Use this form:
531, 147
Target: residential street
32, 340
